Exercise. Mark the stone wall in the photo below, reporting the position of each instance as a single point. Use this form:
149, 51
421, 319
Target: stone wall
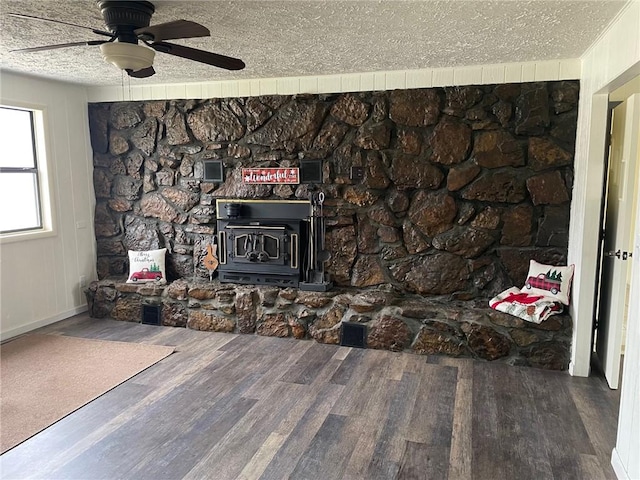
462, 186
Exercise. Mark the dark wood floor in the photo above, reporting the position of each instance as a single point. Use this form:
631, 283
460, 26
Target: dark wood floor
247, 407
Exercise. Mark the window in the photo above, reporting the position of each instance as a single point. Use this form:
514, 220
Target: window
23, 198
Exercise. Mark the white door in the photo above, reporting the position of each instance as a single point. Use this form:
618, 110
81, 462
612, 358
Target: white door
619, 221
625, 458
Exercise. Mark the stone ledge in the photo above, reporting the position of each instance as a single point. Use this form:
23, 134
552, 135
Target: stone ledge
395, 321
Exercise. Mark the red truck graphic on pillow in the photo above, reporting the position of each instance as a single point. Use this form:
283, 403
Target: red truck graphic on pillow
551, 281
146, 274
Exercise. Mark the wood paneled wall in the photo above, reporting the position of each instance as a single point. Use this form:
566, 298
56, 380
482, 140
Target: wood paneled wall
40, 277
612, 61
353, 82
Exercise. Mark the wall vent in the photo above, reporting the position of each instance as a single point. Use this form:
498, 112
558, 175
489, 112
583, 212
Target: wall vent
151, 314
353, 335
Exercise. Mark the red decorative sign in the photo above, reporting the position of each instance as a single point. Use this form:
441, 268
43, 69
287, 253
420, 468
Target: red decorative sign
271, 175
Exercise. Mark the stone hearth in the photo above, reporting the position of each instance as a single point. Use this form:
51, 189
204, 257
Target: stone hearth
396, 322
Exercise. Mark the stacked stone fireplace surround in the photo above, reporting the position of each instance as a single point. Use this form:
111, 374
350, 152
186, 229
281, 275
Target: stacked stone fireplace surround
462, 186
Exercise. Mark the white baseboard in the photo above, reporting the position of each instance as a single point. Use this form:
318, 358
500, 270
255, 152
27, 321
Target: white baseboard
42, 323
574, 371
618, 467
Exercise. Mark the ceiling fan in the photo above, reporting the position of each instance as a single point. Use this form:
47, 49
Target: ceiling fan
128, 23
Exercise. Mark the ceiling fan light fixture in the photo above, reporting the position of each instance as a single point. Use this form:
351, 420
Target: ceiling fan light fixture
128, 56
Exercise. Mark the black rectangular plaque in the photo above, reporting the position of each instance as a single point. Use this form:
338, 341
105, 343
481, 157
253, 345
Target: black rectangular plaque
311, 171
213, 171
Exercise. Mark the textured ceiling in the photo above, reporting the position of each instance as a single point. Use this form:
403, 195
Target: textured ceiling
299, 38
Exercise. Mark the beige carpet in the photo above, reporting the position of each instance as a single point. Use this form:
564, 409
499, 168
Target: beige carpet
46, 377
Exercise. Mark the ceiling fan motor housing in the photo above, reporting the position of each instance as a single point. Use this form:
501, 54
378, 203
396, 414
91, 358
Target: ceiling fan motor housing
123, 17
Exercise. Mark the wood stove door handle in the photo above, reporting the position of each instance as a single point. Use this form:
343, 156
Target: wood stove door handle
294, 250
222, 242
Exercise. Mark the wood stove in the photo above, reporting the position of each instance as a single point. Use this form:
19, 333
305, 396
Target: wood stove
262, 242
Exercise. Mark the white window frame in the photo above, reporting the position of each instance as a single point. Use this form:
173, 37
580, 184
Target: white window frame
45, 177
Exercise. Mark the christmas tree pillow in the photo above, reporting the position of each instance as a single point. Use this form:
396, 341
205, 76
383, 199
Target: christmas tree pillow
549, 280
147, 266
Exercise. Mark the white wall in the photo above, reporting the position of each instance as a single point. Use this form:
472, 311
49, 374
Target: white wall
548, 70
612, 61
39, 278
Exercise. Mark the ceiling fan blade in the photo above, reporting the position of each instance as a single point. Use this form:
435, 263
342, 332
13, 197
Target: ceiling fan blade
61, 45
144, 73
221, 61
172, 30
31, 17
